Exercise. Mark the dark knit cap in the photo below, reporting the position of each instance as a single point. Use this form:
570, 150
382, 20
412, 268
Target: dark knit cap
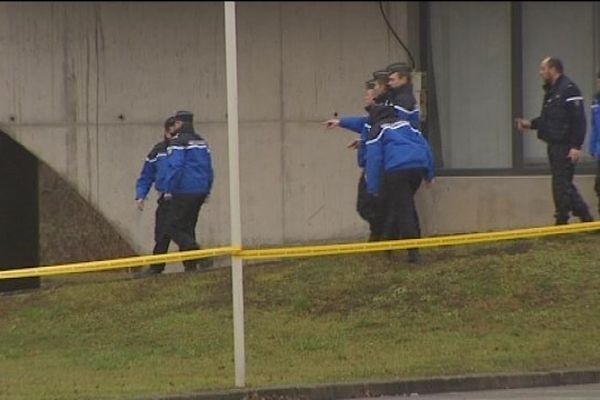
185, 116
169, 122
381, 74
400, 67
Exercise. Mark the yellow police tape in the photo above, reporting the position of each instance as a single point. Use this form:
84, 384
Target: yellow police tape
452, 240
302, 251
128, 262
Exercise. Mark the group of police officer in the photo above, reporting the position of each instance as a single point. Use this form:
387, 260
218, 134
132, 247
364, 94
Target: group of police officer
392, 154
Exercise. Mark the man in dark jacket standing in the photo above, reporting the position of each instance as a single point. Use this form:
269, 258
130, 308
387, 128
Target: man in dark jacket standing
562, 126
188, 182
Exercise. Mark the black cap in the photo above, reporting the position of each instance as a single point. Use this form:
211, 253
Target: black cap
185, 116
400, 67
381, 74
169, 122
370, 84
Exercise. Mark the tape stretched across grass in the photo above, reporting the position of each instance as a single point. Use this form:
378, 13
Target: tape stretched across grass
301, 251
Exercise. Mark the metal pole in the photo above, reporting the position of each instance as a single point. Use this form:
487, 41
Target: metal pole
237, 274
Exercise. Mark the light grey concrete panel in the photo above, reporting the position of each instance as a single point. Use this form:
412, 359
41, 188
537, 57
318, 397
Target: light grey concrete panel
320, 181
259, 61
31, 62
329, 50
481, 204
261, 183
157, 57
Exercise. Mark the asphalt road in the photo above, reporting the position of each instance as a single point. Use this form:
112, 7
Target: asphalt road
571, 392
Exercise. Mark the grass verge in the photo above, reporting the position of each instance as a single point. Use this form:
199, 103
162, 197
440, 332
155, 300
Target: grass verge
517, 306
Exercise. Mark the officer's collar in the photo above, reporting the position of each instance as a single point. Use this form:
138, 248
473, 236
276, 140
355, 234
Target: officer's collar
548, 86
381, 99
407, 87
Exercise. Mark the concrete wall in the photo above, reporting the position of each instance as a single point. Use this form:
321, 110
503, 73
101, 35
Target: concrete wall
480, 204
70, 70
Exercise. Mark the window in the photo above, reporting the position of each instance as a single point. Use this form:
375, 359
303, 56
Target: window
482, 63
471, 67
564, 30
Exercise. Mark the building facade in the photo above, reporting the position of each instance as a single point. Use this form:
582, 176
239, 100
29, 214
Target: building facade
87, 86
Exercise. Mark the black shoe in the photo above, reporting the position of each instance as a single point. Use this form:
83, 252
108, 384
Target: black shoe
374, 238
205, 263
190, 268
147, 273
413, 256
587, 218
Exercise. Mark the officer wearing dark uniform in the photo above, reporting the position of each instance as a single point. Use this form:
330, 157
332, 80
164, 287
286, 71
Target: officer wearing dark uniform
381, 87
154, 172
398, 158
366, 205
402, 98
188, 182
401, 94
562, 126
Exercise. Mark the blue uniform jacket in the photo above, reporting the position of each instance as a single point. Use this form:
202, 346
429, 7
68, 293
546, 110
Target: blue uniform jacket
153, 172
189, 165
594, 145
412, 116
405, 104
397, 146
360, 126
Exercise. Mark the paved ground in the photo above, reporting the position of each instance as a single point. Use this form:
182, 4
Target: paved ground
571, 392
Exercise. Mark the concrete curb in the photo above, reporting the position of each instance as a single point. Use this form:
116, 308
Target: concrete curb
461, 383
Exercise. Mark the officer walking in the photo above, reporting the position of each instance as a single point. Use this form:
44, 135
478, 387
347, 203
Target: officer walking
562, 126
398, 159
154, 172
401, 94
188, 183
381, 86
367, 206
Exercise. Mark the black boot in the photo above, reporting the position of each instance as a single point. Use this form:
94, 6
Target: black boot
205, 263
152, 271
373, 237
413, 256
190, 266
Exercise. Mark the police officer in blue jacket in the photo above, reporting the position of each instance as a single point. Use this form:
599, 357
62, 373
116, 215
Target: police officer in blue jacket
594, 146
188, 182
398, 158
401, 94
154, 173
562, 126
367, 207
